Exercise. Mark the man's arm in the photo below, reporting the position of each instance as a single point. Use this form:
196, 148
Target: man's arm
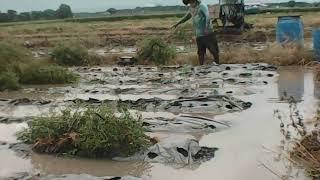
183, 20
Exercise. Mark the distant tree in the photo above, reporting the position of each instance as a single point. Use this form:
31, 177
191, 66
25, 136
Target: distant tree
64, 11
291, 3
36, 15
49, 14
112, 11
4, 17
24, 16
12, 15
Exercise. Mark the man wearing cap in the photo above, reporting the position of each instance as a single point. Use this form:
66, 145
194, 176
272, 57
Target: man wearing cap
206, 38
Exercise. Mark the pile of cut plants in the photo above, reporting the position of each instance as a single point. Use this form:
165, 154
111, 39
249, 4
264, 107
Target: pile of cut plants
157, 51
87, 132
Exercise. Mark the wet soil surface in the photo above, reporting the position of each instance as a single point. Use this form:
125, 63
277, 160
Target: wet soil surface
228, 110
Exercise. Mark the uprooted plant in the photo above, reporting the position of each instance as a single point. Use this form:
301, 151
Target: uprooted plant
155, 50
87, 131
301, 147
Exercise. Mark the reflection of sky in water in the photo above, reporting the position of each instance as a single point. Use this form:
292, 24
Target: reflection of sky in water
299, 83
292, 83
316, 90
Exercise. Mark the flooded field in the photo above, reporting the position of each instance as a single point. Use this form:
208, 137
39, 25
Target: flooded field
228, 107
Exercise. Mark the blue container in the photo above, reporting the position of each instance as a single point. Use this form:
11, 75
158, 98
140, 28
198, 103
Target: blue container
316, 43
290, 30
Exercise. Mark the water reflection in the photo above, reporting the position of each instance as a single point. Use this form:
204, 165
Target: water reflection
47, 164
291, 82
316, 90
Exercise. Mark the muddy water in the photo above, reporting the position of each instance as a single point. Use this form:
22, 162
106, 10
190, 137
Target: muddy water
10, 162
242, 148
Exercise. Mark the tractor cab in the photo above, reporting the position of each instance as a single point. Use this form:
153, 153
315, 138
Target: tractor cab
231, 13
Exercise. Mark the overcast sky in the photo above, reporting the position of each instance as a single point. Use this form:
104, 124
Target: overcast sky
93, 5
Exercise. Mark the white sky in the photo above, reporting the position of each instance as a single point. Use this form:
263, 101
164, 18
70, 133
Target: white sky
94, 5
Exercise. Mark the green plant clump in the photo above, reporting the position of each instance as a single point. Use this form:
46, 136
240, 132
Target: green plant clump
93, 132
9, 80
17, 67
156, 50
47, 74
11, 56
70, 54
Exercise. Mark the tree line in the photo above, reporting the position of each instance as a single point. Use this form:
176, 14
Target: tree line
155, 8
64, 11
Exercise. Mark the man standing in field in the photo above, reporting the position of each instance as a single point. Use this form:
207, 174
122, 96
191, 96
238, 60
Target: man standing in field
206, 38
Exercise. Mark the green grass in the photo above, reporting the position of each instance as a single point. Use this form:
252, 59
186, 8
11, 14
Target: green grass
47, 74
87, 131
9, 80
70, 54
11, 56
18, 67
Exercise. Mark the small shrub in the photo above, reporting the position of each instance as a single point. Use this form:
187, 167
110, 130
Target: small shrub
70, 54
93, 132
12, 55
155, 50
9, 81
46, 74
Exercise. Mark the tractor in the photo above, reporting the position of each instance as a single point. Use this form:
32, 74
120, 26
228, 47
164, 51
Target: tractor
231, 13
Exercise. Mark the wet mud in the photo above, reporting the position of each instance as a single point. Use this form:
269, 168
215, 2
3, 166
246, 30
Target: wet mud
226, 110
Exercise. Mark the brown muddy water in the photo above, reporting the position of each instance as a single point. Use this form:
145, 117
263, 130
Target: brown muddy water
242, 148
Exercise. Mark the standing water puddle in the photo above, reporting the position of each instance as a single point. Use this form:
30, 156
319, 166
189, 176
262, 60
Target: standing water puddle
241, 147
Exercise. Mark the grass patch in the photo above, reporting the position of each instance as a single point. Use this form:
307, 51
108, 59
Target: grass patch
87, 131
155, 50
47, 74
18, 67
11, 56
9, 80
274, 54
70, 54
